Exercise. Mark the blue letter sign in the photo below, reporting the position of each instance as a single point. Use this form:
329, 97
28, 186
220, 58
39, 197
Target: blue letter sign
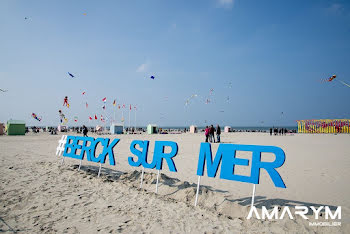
73, 145
158, 155
226, 154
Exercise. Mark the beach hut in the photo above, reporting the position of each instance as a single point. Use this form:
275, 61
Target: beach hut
151, 129
193, 129
2, 128
16, 127
62, 128
227, 129
116, 129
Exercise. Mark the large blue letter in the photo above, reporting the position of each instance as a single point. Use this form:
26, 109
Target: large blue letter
159, 154
141, 155
205, 154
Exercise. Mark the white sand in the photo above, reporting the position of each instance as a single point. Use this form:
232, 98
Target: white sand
39, 195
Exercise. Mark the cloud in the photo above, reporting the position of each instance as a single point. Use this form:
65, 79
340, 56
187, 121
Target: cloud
225, 3
143, 67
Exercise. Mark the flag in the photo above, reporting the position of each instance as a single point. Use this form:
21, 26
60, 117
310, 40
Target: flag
123, 105
83, 93
135, 107
86, 104
118, 106
90, 118
95, 117
114, 103
102, 119
104, 107
130, 106
104, 99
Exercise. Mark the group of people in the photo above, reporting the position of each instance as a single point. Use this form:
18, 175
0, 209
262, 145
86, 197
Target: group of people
210, 132
278, 131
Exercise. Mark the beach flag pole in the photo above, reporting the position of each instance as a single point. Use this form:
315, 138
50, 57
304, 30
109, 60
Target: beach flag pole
123, 119
99, 170
114, 116
129, 119
143, 171
157, 182
198, 184
253, 195
135, 118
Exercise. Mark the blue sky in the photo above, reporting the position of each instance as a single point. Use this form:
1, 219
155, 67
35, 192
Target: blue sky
273, 53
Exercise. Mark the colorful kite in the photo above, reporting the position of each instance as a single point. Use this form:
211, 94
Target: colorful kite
330, 79
65, 101
83, 93
190, 98
36, 117
95, 117
152, 77
104, 100
75, 119
114, 102
71, 75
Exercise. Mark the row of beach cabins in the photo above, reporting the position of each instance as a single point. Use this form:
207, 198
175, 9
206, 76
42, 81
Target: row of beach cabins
18, 127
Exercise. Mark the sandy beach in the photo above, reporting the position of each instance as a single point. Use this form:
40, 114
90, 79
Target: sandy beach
39, 195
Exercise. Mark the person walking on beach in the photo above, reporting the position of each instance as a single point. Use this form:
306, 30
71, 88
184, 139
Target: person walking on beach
206, 132
211, 134
270, 131
218, 132
85, 131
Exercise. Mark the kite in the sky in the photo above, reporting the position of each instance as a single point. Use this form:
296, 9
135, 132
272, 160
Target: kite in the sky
65, 101
36, 117
152, 77
104, 100
75, 119
190, 98
104, 107
62, 117
3, 90
330, 79
71, 75
83, 93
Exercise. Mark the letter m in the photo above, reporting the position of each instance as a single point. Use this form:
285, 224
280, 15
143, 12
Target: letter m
205, 154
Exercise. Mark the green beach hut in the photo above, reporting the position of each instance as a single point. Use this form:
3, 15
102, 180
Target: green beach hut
151, 128
16, 127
